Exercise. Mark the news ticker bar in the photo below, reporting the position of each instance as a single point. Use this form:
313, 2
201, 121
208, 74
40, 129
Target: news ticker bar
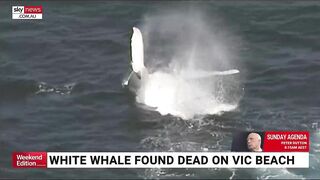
160, 160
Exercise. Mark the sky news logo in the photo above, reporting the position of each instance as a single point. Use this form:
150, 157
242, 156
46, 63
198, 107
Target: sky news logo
26, 12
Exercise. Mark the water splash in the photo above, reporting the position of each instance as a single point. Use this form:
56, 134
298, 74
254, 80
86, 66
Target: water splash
176, 95
190, 69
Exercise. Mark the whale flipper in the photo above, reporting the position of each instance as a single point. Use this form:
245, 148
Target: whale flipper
137, 59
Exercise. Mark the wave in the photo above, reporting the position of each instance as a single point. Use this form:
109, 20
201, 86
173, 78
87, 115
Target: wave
16, 89
44, 88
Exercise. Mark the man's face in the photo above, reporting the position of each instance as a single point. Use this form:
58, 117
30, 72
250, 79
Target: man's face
253, 141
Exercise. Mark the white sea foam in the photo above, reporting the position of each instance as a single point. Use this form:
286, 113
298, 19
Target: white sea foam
191, 64
179, 96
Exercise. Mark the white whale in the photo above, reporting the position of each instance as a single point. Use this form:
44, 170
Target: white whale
139, 72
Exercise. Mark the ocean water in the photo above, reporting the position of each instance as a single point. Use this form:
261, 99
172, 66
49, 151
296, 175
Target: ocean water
60, 81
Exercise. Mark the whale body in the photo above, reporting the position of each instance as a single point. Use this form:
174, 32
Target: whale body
139, 72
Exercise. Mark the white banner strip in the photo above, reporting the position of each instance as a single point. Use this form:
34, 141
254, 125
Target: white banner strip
26, 16
177, 160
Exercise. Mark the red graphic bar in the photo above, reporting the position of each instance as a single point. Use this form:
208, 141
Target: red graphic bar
286, 141
32, 9
29, 159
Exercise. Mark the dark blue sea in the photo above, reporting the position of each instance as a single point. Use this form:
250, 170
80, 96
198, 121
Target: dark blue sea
61, 81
